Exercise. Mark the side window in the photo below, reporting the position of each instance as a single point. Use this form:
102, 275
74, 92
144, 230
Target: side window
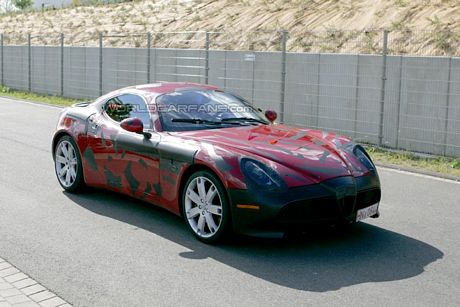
126, 106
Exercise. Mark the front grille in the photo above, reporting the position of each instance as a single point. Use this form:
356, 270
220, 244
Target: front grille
328, 208
367, 198
315, 209
346, 205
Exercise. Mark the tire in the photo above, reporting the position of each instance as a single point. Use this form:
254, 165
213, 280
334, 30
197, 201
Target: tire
205, 207
67, 164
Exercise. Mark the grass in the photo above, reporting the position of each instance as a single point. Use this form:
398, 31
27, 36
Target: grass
436, 164
48, 99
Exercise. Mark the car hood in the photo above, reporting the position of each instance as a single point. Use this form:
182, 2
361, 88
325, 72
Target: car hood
313, 153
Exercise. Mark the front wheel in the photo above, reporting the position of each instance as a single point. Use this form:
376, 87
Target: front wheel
205, 207
67, 164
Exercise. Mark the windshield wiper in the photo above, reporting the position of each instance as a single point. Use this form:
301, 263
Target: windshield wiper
195, 121
224, 121
199, 121
244, 119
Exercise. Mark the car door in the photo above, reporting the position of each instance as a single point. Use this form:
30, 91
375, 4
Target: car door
129, 161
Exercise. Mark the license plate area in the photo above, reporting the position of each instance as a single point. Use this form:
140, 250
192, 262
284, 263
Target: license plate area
367, 212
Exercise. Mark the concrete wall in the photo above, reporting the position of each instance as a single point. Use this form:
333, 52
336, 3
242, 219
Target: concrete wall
337, 92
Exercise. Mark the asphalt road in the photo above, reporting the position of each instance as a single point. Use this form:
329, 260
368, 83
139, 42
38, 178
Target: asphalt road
100, 249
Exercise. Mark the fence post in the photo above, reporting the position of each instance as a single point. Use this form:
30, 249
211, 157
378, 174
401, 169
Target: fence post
398, 117
284, 38
206, 69
318, 88
101, 37
384, 79
355, 123
154, 39
29, 45
446, 116
62, 64
149, 44
1, 60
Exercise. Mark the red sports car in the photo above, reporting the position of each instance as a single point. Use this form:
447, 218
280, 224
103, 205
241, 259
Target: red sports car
213, 158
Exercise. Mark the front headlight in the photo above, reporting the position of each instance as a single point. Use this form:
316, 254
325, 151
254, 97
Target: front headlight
261, 175
363, 157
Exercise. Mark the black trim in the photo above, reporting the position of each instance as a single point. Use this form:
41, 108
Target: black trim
180, 152
333, 200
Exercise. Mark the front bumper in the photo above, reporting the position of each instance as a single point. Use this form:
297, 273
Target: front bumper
331, 201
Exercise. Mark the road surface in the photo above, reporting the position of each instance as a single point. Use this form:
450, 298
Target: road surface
100, 249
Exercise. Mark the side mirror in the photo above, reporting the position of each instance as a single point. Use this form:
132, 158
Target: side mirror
271, 116
133, 124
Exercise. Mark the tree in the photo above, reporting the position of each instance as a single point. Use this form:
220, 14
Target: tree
6, 6
22, 4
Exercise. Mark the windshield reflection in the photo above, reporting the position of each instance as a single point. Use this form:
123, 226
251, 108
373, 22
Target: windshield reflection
196, 109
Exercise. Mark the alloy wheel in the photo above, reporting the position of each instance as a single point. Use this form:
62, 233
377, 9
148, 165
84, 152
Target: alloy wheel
203, 207
66, 163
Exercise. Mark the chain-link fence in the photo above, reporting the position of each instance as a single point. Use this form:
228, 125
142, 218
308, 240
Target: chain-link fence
379, 87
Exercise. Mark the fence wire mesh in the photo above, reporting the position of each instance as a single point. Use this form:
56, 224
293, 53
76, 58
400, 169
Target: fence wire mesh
337, 41
442, 42
400, 89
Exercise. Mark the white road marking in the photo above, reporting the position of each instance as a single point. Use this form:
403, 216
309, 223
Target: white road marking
43, 104
416, 174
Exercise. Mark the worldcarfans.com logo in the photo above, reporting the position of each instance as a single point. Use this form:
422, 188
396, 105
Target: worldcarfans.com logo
179, 108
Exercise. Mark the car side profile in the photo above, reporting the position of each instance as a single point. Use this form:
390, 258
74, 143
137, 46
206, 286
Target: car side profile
214, 159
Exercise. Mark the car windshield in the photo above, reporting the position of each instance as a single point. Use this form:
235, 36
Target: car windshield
205, 109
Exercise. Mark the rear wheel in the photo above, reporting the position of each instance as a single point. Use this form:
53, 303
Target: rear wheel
205, 207
67, 164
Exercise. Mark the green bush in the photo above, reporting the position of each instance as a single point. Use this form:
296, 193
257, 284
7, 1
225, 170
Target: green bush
22, 4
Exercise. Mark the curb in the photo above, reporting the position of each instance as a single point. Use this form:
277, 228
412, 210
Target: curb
18, 289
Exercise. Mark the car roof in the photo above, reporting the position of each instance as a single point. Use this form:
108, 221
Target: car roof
168, 87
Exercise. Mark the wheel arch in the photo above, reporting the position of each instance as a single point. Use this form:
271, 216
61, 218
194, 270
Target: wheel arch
56, 139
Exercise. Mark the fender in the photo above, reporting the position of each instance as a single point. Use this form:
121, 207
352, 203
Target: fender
74, 121
175, 158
